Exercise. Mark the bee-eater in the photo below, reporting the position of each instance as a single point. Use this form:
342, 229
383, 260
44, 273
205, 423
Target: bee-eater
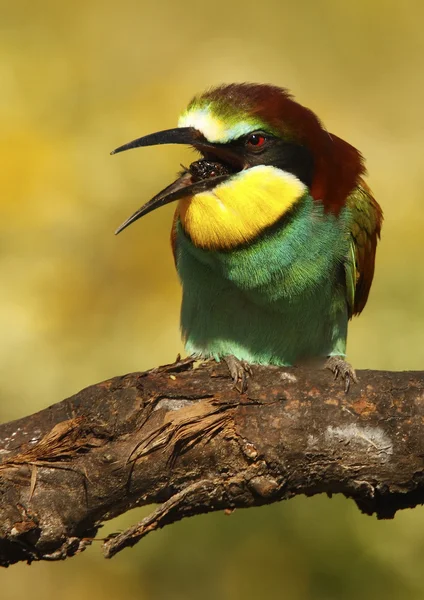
274, 234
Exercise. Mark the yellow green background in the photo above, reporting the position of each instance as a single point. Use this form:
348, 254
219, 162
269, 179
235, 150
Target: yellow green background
78, 305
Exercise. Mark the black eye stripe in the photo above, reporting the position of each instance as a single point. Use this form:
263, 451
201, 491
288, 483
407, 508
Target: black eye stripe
286, 156
275, 151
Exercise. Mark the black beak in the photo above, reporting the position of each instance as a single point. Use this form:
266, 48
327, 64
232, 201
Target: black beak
179, 135
184, 185
181, 188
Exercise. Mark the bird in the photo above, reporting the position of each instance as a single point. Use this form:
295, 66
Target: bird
274, 234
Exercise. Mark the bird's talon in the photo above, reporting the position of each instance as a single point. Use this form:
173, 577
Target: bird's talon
239, 371
248, 369
339, 366
347, 383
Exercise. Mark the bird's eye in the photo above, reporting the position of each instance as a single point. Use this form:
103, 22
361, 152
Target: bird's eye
255, 141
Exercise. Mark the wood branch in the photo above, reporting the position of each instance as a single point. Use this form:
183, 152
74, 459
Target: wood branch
184, 438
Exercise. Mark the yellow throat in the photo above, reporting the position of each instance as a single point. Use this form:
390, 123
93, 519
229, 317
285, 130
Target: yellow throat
237, 211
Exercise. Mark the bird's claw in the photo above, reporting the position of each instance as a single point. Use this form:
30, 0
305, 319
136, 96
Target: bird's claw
240, 371
338, 366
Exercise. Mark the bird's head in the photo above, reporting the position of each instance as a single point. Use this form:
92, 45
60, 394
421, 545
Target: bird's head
261, 152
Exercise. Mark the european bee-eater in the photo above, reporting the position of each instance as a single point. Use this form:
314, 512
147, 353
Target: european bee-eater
275, 231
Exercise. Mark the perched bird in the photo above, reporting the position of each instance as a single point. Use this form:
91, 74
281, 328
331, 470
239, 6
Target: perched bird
275, 231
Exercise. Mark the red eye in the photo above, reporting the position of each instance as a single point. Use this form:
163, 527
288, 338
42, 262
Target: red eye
255, 140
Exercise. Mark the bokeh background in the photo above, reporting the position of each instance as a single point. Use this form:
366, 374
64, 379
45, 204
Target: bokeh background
78, 305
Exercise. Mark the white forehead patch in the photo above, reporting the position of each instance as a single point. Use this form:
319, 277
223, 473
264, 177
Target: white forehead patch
212, 127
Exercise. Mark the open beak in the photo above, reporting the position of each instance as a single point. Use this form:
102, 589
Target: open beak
184, 186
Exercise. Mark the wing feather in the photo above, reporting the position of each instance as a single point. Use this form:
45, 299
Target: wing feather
365, 230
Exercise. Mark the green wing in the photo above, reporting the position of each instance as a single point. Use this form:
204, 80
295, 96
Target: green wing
365, 229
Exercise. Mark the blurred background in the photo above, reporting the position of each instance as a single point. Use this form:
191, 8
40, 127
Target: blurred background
78, 305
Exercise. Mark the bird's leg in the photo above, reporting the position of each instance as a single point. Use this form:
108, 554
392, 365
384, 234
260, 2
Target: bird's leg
240, 370
339, 366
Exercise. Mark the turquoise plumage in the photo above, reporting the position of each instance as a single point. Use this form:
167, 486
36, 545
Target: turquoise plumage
280, 299
275, 232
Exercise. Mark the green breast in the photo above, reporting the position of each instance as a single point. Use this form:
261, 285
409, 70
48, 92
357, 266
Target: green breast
274, 301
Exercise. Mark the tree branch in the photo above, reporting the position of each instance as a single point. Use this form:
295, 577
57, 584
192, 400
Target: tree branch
184, 438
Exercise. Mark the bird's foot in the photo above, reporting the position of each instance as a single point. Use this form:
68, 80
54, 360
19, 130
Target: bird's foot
339, 366
240, 371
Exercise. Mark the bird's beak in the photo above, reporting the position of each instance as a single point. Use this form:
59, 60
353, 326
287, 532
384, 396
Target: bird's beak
184, 186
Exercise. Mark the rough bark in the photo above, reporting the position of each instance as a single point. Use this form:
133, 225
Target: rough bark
184, 438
